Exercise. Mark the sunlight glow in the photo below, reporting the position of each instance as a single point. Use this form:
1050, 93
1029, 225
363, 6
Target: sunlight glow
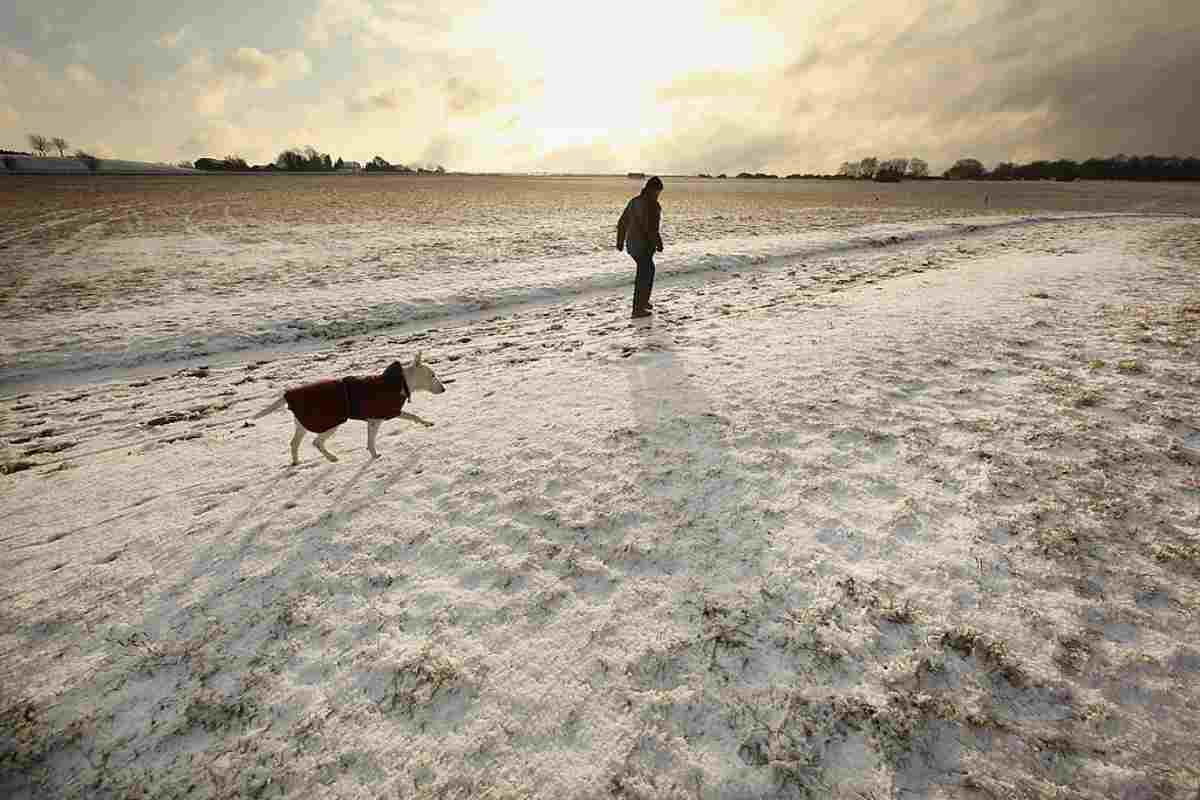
601, 67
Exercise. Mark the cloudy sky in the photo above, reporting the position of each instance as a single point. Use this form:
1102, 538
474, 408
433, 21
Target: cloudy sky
657, 85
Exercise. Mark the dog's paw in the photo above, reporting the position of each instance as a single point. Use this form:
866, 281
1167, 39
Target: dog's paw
374, 454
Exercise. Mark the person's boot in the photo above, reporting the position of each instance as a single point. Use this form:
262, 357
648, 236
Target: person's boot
639, 301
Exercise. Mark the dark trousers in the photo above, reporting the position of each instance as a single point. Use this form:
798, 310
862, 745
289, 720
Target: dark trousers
645, 279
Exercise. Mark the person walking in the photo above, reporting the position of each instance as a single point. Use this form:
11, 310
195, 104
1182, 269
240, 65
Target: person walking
638, 234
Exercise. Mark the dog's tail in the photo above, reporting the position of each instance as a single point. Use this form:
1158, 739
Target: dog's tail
278, 404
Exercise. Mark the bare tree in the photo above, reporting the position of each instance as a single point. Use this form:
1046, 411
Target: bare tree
849, 169
867, 167
918, 168
60, 144
39, 143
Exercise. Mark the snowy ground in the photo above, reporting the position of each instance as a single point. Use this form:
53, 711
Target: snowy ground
911, 520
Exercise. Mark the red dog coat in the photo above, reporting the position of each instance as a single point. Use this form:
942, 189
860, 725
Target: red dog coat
324, 405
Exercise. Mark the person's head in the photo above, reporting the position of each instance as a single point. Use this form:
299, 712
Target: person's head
653, 186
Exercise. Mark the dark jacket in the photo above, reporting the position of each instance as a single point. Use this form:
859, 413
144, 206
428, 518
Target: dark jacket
638, 228
326, 404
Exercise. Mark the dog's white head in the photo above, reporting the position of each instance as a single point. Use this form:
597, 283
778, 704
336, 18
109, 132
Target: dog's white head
421, 378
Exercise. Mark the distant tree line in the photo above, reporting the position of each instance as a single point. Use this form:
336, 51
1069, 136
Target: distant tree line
1117, 168
233, 163
871, 168
890, 170
290, 160
307, 159
380, 164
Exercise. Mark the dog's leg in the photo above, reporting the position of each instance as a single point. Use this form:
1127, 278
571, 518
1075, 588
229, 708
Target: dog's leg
297, 437
372, 429
416, 419
319, 443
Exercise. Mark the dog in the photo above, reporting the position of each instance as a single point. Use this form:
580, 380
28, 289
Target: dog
321, 407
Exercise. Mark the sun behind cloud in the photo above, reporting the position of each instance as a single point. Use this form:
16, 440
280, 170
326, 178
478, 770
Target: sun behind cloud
708, 85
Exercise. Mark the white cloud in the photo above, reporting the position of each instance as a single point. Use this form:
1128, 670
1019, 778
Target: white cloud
82, 77
333, 17
32, 86
267, 70
392, 98
721, 85
403, 24
209, 86
217, 139
209, 99
169, 40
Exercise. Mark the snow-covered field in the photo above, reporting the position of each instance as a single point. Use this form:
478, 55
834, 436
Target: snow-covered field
906, 510
123, 272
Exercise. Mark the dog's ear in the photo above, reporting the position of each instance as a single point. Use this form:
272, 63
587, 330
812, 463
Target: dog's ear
417, 363
394, 373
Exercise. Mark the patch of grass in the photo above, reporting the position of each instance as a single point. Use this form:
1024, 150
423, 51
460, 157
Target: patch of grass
1096, 713
153, 653
213, 711
1175, 552
991, 651
1057, 540
660, 667
1169, 325
1130, 366
792, 734
1086, 398
417, 681
901, 614
25, 738
978, 424
1073, 653
963, 638
13, 467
